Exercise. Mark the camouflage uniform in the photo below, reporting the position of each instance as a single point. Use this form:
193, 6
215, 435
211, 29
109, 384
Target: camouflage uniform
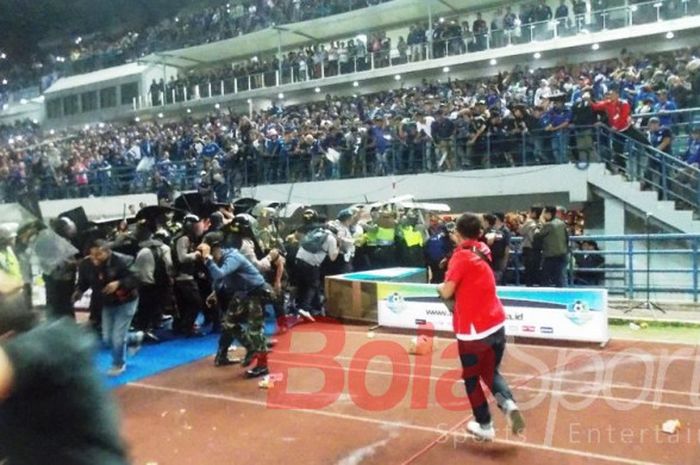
242, 310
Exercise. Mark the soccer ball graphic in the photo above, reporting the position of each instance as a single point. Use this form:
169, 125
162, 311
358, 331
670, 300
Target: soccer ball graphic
579, 313
579, 307
395, 302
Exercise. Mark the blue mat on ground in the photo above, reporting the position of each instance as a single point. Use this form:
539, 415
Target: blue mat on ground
156, 358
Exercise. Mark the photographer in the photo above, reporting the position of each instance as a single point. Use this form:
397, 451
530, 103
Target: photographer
478, 322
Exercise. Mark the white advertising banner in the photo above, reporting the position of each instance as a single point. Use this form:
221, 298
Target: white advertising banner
562, 314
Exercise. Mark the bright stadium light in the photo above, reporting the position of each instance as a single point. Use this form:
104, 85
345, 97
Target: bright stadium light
217, 106
4, 82
493, 62
189, 110
280, 96
137, 119
317, 90
595, 46
397, 77
356, 84
160, 115
446, 69
52, 132
537, 55
670, 35
3, 56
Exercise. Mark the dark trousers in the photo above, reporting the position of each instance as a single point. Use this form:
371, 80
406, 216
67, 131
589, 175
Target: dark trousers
308, 286
480, 361
150, 310
189, 304
554, 271
59, 301
437, 272
532, 259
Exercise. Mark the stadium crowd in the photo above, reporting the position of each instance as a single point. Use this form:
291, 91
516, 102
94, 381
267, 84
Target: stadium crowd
204, 25
435, 126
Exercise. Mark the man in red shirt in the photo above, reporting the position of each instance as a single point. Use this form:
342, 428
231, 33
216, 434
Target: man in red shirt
478, 321
618, 114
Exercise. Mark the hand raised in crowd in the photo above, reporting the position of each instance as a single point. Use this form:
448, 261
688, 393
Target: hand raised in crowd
273, 255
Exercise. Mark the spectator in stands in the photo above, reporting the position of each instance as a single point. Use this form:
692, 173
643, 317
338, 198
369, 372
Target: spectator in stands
585, 274
480, 30
562, 17
663, 107
555, 248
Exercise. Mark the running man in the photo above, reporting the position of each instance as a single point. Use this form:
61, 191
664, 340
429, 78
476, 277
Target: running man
478, 322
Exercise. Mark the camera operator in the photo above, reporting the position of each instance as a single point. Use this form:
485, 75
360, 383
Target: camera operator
478, 322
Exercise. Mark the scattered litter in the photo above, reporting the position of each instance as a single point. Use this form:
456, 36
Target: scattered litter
187, 426
634, 326
421, 345
164, 414
671, 426
183, 411
266, 383
370, 335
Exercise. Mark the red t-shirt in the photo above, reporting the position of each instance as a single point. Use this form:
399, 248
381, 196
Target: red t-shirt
478, 311
618, 113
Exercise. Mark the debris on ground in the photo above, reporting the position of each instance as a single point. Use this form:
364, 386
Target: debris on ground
671, 426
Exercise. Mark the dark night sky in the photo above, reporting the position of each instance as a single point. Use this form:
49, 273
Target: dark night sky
24, 23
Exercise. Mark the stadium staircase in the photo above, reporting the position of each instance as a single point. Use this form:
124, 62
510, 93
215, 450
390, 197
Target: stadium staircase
668, 190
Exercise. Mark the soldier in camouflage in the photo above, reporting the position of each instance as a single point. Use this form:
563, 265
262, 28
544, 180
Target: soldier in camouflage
241, 292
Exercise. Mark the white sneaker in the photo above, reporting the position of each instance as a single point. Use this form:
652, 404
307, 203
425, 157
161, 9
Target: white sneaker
306, 315
484, 433
116, 371
514, 416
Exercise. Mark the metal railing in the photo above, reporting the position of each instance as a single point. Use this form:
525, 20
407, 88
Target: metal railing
672, 178
672, 261
407, 152
317, 69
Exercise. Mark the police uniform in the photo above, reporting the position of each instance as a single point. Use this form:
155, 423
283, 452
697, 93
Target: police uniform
242, 293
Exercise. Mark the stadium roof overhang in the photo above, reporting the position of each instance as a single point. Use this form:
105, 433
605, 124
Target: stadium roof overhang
342, 26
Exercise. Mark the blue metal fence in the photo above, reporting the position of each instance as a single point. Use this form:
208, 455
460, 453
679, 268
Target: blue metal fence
673, 261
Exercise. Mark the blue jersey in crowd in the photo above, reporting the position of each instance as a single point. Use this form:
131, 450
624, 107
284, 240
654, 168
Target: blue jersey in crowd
557, 116
692, 155
665, 119
656, 137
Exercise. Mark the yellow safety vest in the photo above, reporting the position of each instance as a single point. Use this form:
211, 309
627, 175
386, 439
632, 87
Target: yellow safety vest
412, 237
9, 263
371, 238
386, 236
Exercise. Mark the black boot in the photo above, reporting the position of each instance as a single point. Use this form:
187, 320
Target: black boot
260, 368
222, 360
222, 354
257, 372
